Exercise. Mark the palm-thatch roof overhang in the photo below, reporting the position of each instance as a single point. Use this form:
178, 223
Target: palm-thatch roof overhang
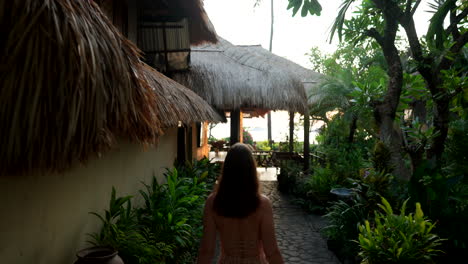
177, 103
200, 27
230, 77
72, 84
309, 78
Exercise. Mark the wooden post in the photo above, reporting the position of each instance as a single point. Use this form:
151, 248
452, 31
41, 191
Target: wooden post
291, 131
306, 142
132, 21
235, 127
270, 141
241, 127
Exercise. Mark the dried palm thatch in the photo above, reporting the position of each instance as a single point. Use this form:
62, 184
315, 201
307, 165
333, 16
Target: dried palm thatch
201, 29
178, 103
309, 78
230, 77
71, 84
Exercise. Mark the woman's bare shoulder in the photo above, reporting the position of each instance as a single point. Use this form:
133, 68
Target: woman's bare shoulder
210, 198
264, 200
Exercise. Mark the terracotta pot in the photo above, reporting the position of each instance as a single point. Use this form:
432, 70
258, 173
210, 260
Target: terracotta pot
98, 255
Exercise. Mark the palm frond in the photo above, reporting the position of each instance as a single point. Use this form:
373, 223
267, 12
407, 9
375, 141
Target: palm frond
337, 26
436, 34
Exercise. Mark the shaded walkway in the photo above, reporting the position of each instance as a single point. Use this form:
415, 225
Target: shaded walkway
298, 233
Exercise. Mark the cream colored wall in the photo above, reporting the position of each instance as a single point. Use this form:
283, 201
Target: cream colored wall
44, 218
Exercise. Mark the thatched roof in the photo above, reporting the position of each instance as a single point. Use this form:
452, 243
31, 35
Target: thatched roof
178, 103
200, 27
232, 77
309, 78
71, 84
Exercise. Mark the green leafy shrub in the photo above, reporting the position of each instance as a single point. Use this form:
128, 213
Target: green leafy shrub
381, 157
168, 226
262, 145
345, 159
313, 192
371, 185
121, 230
342, 229
398, 238
322, 181
287, 178
457, 149
205, 170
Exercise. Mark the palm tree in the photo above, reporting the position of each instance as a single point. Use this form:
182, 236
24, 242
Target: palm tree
257, 2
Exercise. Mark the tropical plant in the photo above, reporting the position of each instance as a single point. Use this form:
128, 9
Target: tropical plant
376, 24
121, 230
343, 218
398, 238
287, 178
168, 226
204, 170
263, 145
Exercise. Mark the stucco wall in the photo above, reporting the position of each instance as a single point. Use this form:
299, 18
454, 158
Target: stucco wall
44, 218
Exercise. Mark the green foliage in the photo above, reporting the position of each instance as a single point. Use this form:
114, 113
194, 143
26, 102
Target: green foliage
343, 219
322, 181
436, 35
312, 7
345, 159
444, 197
381, 157
457, 149
398, 238
205, 170
337, 26
262, 145
168, 225
372, 185
289, 173
120, 229
313, 192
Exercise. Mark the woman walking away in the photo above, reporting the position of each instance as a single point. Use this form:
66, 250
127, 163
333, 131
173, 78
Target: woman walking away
240, 214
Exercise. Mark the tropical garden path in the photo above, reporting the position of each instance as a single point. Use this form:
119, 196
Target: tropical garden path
298, 233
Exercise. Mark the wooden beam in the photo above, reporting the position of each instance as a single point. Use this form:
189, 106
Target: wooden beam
306, 142
241, 127
291, 131
235, 127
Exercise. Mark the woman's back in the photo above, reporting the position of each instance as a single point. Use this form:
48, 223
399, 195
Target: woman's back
242, 216
243, 240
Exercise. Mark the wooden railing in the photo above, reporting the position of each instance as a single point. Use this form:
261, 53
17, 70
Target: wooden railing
277, 158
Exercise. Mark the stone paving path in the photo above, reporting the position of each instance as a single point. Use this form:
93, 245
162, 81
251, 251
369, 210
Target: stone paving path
298, 233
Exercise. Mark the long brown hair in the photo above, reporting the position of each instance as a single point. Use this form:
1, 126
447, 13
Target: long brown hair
237, 194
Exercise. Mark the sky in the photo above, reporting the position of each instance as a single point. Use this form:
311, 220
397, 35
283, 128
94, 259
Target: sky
240, 23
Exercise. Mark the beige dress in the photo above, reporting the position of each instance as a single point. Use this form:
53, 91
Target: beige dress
250, 240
